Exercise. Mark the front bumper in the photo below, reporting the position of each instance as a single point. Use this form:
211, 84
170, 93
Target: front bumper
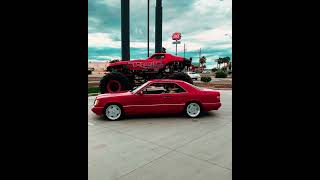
97, 110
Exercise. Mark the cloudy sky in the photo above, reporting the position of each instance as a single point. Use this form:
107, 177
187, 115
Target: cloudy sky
202, 23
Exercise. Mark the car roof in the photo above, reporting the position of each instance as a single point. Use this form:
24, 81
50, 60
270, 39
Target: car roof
166, 80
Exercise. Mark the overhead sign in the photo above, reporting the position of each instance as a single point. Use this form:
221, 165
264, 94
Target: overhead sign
176, 36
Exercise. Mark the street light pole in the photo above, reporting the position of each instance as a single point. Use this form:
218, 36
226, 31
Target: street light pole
148, 26
184, 50
176, 46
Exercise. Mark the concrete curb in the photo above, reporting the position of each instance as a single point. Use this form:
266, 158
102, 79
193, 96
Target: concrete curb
93, 94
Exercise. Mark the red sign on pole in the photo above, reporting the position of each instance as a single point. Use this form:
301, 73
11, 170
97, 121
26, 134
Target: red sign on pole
176, 36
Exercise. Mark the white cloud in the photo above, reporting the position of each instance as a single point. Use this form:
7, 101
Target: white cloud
106, 57
203, 24
102, 40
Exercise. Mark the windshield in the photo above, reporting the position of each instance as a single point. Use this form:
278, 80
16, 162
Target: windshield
138, 88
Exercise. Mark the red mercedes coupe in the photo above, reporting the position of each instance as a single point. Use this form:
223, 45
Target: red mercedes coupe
158, 96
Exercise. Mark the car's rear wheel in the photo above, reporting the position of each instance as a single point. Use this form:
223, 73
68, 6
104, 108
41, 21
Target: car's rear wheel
113, 112
193, 110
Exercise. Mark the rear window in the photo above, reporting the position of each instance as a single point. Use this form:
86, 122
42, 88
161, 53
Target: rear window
200, 88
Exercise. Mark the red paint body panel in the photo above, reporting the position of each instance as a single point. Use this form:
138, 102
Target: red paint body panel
149, 63
134, 103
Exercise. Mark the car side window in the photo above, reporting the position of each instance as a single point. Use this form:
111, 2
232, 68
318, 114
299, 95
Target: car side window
163, 88
158, 56
172, 88
154, 88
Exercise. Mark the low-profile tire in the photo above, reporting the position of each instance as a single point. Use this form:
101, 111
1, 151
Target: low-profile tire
113, 112
114, 82
193, 109
181, 76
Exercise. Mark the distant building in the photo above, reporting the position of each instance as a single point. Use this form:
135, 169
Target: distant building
99, 66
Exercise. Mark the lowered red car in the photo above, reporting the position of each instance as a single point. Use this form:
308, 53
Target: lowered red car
158, 96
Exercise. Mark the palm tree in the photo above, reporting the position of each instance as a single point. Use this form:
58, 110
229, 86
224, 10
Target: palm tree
202, 60
219, 61
226, 60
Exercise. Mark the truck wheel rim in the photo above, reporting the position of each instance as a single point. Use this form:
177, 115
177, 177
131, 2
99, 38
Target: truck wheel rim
193, 109
113, 112
113, 86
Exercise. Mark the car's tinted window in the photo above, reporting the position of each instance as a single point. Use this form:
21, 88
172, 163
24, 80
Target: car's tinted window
197, 87
162, 88
158, 56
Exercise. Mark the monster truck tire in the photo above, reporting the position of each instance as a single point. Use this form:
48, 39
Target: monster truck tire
114, 82
181, 76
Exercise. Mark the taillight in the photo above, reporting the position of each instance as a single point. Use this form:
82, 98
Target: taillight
96, 102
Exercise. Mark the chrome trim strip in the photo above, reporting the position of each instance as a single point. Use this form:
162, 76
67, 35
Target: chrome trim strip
212, 103
157, 105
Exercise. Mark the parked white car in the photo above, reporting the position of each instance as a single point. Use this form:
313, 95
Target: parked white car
206, 72
194, 76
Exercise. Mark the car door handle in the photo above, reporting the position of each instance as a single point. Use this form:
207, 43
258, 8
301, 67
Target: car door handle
166, 97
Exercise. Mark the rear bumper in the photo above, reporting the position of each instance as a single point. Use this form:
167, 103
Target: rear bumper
97, 110
211, 106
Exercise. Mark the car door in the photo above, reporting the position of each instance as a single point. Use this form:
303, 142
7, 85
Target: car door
175, 101
146, 102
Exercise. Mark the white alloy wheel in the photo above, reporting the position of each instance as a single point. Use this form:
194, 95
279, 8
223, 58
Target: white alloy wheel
113, 112
193, 110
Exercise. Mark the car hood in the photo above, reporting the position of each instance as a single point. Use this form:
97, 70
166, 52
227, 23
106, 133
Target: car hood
127, 93
126, 62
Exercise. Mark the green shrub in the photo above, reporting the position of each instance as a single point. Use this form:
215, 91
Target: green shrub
206, 79
93, 90
214, 69
221, 74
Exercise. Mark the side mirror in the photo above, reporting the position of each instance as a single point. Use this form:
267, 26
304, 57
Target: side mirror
140, 93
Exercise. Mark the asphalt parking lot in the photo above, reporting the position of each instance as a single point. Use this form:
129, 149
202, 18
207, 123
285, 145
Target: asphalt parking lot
166, 147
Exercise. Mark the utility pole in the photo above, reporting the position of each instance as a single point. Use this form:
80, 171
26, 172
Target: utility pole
148, 26
184, 50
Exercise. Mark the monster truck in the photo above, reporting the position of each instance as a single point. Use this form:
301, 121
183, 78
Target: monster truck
125, 75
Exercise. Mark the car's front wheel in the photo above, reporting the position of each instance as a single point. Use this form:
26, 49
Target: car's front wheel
113, 112
193, 110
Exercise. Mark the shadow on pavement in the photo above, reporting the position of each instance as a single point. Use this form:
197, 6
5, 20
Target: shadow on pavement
164, 117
